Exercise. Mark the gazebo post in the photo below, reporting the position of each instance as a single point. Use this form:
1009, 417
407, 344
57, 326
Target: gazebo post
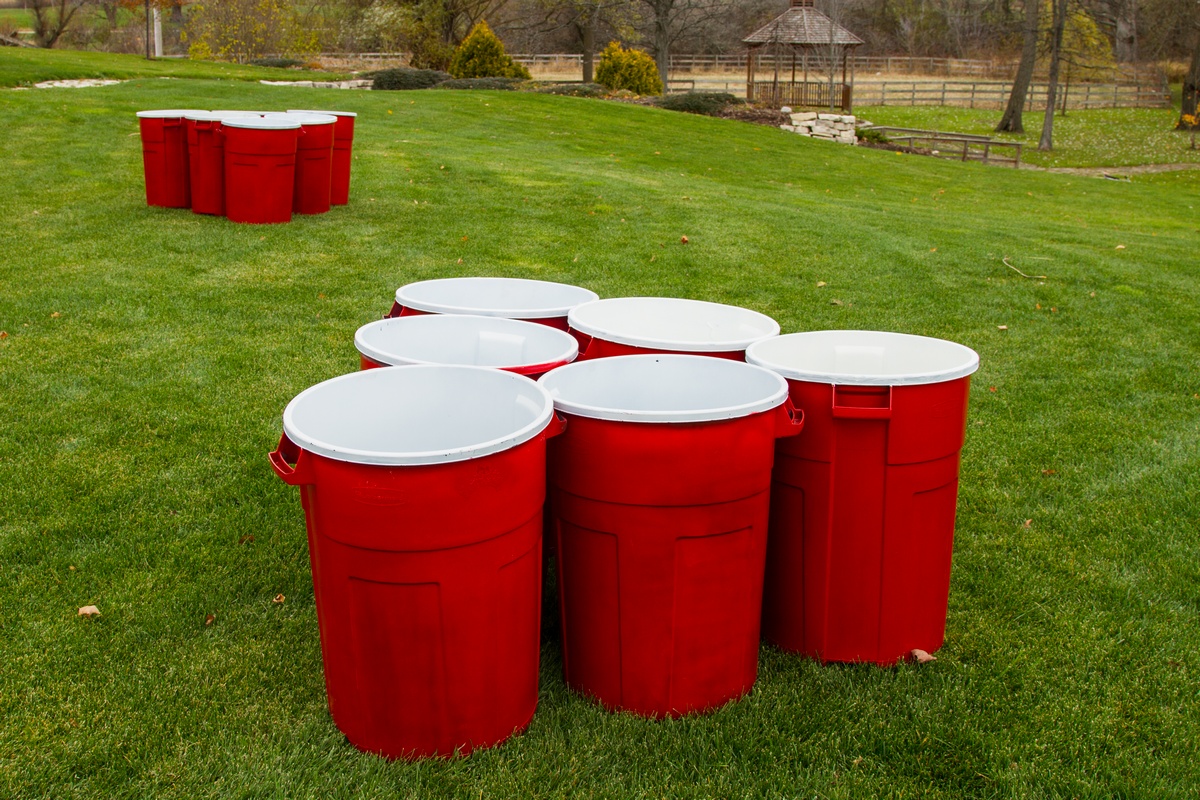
750, 54
845, 51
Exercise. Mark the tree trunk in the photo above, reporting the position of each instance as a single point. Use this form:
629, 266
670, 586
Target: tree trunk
585, 26
1011, 121
1191, 82
662, 38
1056, 36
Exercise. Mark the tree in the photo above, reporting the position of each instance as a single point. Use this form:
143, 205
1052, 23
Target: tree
245, 29
1191, 86
1011, 120
481, 55
51, 18
668, 19
1058, 24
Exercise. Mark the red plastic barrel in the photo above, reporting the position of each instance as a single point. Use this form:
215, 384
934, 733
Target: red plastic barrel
422, 489
863, 502
631, 325
507, 344
260, 166
660, 505
314, 163
343, 145
543, 302
165, 157
206, 162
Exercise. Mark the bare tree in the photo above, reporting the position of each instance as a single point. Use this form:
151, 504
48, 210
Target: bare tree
669, 19
1057, 26
51, 18
1191, 83
1011, 121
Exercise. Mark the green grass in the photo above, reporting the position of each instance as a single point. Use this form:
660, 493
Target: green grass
1109, 137
19, 17
150, 354
21, 66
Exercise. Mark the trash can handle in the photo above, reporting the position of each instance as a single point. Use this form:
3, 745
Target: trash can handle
789, 420
282, 458
558, 424
862, 412
585, 343
395, 311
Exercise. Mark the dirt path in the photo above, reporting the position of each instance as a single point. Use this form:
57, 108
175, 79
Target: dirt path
1139, 169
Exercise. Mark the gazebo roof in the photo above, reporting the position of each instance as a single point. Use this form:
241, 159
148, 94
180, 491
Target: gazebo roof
802, 25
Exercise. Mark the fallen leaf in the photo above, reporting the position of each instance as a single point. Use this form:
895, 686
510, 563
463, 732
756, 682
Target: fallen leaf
653, 258
1091, 294
683, 240
835, 302
1001, 327
1173, 663
3, 334
71, 568
464, 238
821, 283
921, 657
933, 249
1120, 247
460, 261
209, 619
1049, 472
55, 315
89, 611
1053, 310
991, 388
278, 599
320, 297
249, 537
1028, 522
1038, 306
443, 166
389, 111
857, 761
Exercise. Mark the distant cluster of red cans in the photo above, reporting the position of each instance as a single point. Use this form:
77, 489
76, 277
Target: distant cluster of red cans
249, 166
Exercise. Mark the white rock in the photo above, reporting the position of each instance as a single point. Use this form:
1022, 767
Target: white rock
804, 116
786, 109
830, 117
789, 128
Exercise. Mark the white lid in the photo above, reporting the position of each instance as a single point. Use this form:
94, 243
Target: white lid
168, 113
278, 122
238, 112
670, 323
864, 358
459, 339
417, 415
334, 113
304, 117
664, 388
515, 298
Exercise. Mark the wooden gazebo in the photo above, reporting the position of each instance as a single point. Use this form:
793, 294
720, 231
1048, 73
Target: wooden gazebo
814, 41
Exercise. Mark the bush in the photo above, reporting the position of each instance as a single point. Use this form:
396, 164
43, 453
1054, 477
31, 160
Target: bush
480, 83
632, 70
407, 78
575, 89
274, 62
481, 55
872, 135
710, 104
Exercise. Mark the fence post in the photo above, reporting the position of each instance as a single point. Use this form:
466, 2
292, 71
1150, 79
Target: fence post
972, 95
943, 93
883, 93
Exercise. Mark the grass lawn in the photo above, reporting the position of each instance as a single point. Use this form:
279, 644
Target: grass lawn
21, 66
150, 353
1099, 137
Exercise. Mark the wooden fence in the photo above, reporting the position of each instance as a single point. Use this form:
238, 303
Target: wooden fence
994, 94
801, 94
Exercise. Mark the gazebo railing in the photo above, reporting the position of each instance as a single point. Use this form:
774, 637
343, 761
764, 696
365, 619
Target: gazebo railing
801, 94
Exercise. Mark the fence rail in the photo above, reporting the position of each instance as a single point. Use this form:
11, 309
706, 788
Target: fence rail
864, 66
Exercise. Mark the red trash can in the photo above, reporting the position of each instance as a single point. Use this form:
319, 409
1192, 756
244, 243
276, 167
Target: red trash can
165, 157
863, 502
543, 302
314, 162
631, 325
260, 166
422, 489
206, 162
508, 344
343, 145
661, 492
